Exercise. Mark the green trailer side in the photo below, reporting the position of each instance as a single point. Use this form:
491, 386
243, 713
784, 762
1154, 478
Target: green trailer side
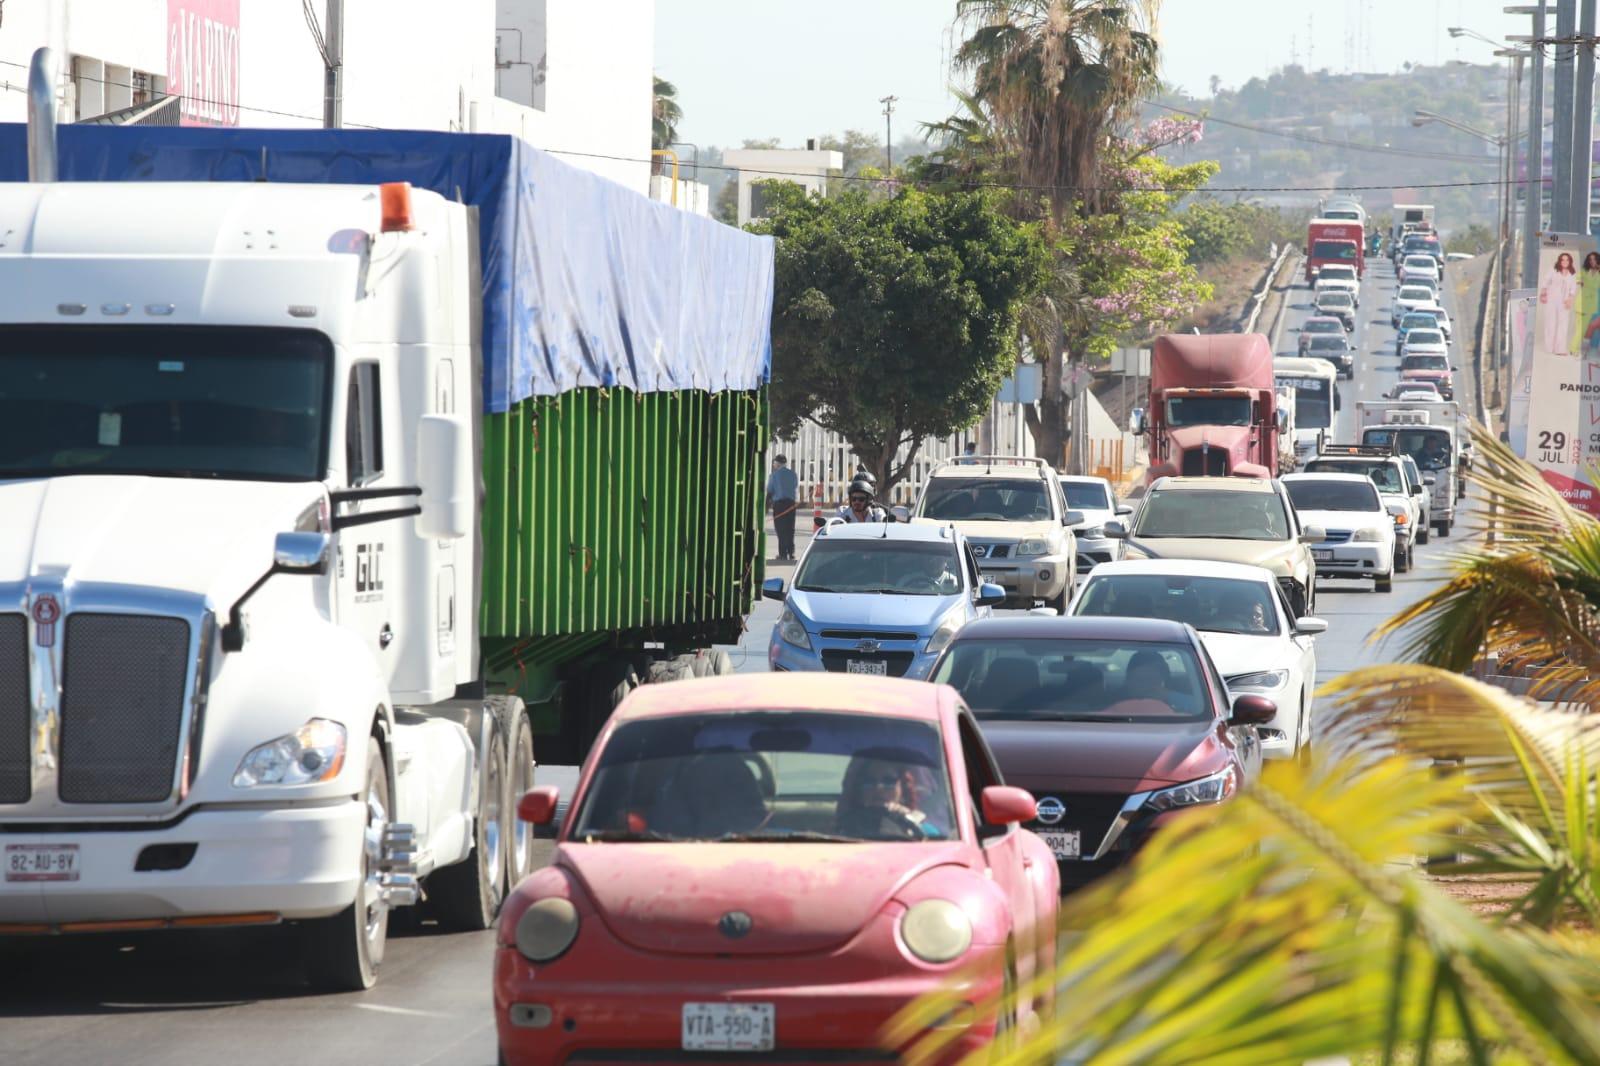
617, 526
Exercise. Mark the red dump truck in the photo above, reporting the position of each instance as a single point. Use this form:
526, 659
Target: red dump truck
1332, 240
1213, 408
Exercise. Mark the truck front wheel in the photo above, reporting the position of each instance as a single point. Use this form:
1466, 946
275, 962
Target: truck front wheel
467, 896
343, 952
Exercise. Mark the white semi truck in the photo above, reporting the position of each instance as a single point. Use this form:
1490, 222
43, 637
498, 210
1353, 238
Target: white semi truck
282, 603
1428, 433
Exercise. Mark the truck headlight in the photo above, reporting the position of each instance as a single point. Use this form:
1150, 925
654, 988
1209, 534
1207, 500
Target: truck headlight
790, 631
547, 929
1214, 789
1369, 535
1034, 546
1260, 681
936, 930
314, 752
947, 629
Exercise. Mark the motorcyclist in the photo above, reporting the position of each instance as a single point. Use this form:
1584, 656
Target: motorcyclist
861, 508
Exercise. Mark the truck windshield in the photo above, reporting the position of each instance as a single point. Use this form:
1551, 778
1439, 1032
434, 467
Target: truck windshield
975, 499
1333, 250
1208, 411
1312, 409
168, 401
1430, 449
1215, 514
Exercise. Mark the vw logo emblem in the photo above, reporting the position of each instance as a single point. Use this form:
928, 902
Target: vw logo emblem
1051, 810
735, 925
869, 647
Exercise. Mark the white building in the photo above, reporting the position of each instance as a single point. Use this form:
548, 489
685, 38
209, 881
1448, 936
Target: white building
806, 167
570, 76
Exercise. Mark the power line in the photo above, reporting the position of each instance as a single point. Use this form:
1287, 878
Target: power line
1448, 157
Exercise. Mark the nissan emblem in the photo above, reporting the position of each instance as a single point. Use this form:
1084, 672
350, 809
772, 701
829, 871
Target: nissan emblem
1051, 810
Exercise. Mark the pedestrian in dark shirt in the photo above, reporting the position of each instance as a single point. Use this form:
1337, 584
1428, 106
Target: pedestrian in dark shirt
783, 491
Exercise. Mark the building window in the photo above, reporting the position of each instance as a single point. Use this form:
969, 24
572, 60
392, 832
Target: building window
520, 52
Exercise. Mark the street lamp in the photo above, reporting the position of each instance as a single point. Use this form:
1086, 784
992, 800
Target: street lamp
1422, 118
1462, 31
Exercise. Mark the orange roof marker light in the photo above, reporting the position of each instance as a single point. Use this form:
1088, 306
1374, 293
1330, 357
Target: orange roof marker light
395, 197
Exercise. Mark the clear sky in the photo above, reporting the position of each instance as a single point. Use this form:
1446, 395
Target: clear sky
776, 68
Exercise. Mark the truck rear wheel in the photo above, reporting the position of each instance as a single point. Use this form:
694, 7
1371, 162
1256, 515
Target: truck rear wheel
343, 952
467, 895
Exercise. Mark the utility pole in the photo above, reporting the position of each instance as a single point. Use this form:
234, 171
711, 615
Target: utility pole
888, 103
1533, 206
333, 67
1561, 173
1582, 122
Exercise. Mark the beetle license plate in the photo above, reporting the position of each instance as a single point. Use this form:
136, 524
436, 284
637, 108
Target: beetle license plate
41, 862
1063, 845
866, 666
728, 1026
1322, 555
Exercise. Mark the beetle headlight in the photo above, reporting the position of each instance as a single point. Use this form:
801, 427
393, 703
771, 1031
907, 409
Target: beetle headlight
791, 631
547, 929
314, 752
936, 930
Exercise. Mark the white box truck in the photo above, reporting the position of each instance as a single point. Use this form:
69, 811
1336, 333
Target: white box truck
1431, 441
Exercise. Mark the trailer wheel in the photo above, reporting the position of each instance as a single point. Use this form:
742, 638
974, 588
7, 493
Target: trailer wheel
342, 952
467, 896
519, 779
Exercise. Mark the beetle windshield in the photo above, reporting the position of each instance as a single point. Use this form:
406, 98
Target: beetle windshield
769, 776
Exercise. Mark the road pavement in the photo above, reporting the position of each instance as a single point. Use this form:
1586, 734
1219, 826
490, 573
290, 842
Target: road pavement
237, 997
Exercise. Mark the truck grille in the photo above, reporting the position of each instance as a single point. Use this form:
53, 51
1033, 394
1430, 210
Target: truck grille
121, 707
1205, 463
16, 780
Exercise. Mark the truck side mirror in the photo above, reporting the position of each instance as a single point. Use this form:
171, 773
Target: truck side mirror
1136, 421
444, 469
301, 553
1283, 420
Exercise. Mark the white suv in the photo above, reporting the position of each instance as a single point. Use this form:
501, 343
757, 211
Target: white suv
1011, 510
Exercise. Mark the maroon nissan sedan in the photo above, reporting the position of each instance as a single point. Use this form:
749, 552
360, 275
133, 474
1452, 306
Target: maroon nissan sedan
1116, 725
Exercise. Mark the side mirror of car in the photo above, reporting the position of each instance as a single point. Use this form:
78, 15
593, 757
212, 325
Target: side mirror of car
772, 589
1116, 530
1429, 479
1124, 509
1253, 710
538, 805
901, 512
1313, 535
990, 595
1310, 627
1074, 518
1136, 422
1006, 805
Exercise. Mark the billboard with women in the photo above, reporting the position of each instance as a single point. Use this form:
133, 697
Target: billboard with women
1563, 436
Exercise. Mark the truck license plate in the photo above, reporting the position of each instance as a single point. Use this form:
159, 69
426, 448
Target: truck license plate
866, 666
1063, 845
728, 1026
41, 862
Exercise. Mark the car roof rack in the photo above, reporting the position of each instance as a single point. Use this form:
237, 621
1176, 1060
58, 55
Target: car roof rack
1365, 451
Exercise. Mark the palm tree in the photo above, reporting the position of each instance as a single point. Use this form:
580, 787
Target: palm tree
665, 114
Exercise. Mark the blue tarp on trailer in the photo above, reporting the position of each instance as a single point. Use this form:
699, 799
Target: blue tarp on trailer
585, 283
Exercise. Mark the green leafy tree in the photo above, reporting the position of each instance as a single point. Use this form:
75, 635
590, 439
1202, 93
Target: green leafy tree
665, 114
1215, 232
895, 318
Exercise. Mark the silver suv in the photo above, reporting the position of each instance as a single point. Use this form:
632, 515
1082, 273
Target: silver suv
1011, 510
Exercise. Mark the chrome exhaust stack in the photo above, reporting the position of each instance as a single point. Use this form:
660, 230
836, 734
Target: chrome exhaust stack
42, 154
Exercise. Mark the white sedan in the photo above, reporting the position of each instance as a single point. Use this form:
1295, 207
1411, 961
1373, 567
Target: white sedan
1359, 531
1244, 622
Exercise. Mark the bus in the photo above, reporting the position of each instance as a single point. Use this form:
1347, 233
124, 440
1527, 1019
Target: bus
1316, 399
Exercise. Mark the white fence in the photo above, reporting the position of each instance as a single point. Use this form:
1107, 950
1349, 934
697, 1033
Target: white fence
823, 458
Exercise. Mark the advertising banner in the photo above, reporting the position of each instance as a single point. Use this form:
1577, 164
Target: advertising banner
1564, 391
203, 60
1521, 308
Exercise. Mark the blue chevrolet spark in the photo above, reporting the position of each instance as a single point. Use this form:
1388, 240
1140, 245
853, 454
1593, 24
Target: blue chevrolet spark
877, 598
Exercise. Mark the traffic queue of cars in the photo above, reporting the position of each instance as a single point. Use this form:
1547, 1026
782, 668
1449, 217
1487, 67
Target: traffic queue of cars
781, 863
